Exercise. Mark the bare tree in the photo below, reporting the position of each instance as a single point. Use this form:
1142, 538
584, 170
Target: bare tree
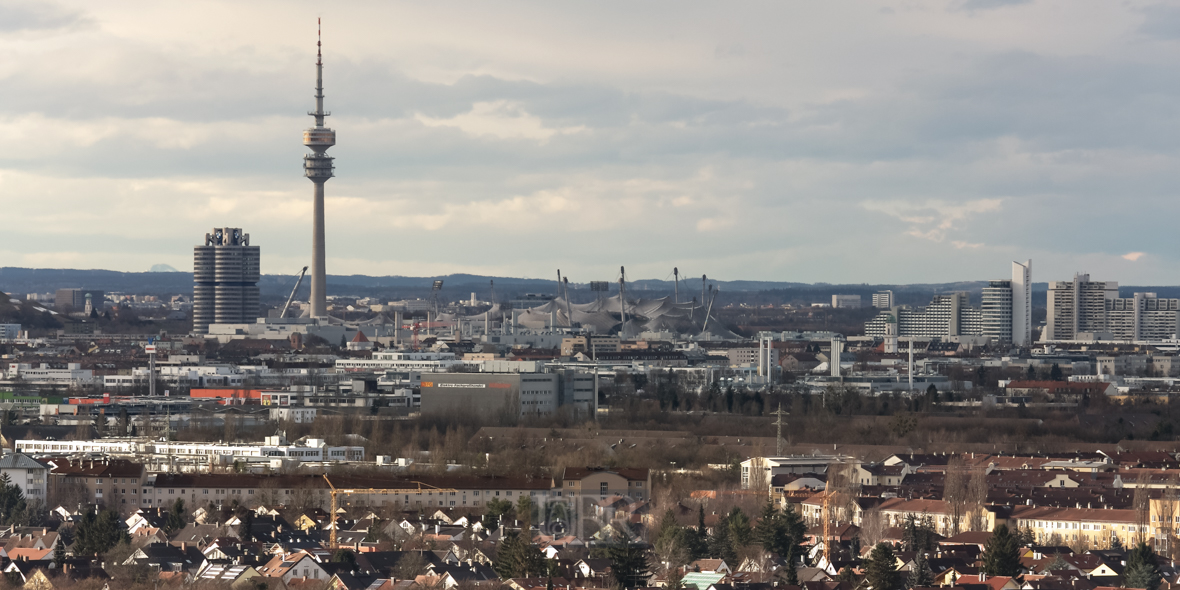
955, 494
1141, 502
1168, 505
872, 527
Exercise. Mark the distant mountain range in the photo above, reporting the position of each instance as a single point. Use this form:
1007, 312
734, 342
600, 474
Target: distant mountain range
162, 281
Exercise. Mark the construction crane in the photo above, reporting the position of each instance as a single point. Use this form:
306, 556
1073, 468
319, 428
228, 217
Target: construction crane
414, 340
292, 297
420, 489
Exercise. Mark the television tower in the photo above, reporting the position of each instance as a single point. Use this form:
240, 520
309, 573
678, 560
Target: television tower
317, 167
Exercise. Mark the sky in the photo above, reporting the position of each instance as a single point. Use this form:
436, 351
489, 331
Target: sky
813, 141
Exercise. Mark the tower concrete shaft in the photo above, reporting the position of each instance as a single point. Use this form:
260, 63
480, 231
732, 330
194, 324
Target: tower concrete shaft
317, 167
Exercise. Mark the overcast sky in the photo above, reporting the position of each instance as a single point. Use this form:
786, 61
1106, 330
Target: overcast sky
826, 140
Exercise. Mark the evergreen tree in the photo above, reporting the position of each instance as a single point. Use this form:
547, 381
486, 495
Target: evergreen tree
517, 557
176, 518
1142, 571
1116, 544
246, 528
1058, 563
97, 533
699, 542
739, 528
12, 500
881, 569
59, 551
920, 574
846, 575
668, 534
628, 564
721, 544
1055, 373
791, 568
1001, 557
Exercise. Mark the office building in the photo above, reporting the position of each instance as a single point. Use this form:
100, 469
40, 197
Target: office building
883, 300
491, 394
70, 300
846, 301
225, 279
1077, 308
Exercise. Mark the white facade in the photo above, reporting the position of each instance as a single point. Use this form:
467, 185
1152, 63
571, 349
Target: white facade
946, 316
846, 301
400, 361
315, 450
883, 299
296, 414
1022, 303
9, 331
73, 374
1078, 307
1142, 317
26, 473
996, 310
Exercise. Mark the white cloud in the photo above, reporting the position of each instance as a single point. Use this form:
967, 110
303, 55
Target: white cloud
501, 119
1133, 256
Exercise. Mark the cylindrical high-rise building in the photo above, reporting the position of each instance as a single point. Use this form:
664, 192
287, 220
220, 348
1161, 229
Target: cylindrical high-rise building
317, 167
225, 279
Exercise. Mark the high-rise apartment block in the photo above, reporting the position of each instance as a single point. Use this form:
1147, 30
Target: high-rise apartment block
225, 279
883, 299
1082, 309
945, 316
1143, 316
1077, 306
996, 310
1005, 314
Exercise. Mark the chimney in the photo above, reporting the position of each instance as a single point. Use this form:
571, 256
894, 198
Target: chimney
183, 546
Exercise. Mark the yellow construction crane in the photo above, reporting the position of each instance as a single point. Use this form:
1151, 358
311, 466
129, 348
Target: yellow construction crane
335, 491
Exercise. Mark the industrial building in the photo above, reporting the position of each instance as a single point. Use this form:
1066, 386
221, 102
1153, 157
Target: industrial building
518, 394
846, 301
225, 279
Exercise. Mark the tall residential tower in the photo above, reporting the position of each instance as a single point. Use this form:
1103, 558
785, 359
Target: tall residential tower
317, 167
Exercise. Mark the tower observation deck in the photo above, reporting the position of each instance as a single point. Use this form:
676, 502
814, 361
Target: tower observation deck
317, 167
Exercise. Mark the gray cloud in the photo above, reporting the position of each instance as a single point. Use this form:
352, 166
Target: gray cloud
990, 4
24, 15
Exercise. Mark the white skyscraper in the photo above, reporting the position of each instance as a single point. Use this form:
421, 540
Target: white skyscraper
1022, 303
